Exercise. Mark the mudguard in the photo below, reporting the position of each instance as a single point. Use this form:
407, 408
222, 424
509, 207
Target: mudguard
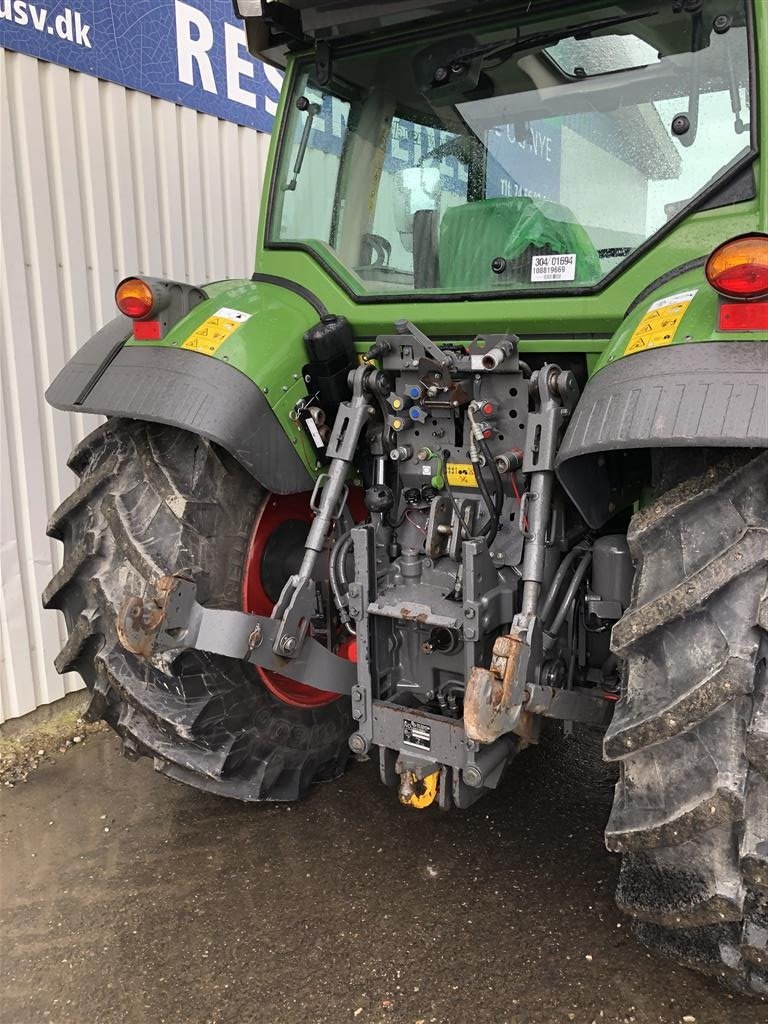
713, 395
231, 397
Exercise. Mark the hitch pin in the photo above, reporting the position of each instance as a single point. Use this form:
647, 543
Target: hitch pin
255, 639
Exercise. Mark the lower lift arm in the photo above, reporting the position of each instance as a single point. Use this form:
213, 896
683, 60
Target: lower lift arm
174, 620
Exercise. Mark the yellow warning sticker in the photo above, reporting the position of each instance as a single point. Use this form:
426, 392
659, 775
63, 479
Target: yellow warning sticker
213, 332
658, 326
461, 474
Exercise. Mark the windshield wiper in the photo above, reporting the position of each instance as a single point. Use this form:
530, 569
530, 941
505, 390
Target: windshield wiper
312, 109
503, 50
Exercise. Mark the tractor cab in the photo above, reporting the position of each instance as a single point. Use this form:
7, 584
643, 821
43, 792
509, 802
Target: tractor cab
462, 150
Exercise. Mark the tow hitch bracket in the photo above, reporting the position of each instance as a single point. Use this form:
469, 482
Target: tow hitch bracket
173, 620
494, 698
505, 698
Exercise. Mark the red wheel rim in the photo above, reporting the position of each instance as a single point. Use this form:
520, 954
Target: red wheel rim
277, 511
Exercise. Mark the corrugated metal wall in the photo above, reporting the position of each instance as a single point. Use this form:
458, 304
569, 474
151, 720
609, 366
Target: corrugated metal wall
96, 182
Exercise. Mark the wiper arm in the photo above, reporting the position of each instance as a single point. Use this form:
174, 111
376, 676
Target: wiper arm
312, 109
505, 49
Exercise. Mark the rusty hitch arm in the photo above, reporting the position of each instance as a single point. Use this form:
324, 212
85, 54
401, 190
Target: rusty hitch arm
173, 620
505, 698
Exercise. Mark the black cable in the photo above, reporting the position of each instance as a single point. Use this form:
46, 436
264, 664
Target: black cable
576, 580
491, 528
491, 463
494, 504
547, 600
462, 525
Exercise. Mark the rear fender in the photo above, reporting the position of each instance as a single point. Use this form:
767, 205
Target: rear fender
668, 380
238, 394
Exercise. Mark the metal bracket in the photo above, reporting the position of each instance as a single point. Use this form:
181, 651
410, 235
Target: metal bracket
428, 347
172, 620
579, 705
427, 740
506, 698
493, 701
439, 527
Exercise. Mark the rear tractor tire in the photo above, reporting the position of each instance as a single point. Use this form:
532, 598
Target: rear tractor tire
152, 501
690, 734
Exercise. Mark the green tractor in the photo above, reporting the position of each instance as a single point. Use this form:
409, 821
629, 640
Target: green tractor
481, 442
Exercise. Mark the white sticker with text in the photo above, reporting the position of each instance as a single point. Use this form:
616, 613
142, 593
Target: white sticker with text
555, 267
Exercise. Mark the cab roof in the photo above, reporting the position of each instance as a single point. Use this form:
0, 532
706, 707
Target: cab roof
276, 27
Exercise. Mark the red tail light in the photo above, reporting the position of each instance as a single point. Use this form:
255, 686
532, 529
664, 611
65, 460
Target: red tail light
739, 268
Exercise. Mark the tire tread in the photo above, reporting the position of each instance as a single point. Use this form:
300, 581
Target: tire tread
153, 500
690, 733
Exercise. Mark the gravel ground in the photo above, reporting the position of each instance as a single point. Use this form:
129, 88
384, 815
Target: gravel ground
24, 749
128, 898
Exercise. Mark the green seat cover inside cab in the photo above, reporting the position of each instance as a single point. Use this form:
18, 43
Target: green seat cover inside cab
473, 235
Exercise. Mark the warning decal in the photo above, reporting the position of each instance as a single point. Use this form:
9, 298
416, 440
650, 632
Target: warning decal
213, 332
658, 326
461, 474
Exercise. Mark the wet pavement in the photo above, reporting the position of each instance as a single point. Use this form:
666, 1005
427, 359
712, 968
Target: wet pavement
129, 898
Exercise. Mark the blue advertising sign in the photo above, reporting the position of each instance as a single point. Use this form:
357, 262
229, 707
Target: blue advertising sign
191, 52
526, 163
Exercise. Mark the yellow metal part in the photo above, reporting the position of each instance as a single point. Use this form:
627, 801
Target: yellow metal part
418, 793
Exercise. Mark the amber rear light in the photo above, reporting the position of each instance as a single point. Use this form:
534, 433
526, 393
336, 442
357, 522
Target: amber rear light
134, 298
739, 269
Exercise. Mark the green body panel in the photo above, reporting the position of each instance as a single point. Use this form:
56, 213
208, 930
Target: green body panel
269, 348
558, 323
551, 320
698, 323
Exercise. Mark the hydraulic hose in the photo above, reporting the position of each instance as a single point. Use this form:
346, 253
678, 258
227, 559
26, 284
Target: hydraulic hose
338, 579
550, 634
491, 463
479, 451
491, 528
557, 582
462, 525
341, 556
